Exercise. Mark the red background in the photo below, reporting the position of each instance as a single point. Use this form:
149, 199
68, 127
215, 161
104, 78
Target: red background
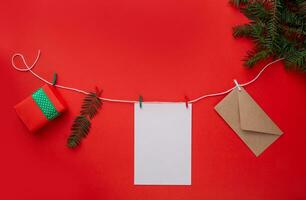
162, 49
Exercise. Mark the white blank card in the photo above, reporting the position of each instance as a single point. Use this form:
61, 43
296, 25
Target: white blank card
162, 144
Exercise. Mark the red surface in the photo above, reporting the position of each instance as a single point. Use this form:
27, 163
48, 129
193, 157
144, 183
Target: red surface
162, 50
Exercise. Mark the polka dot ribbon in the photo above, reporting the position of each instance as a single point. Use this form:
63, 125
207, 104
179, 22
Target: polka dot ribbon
45, 104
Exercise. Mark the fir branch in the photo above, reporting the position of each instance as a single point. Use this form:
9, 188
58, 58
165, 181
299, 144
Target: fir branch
288, 47
292, 18
254, 57
79, 130
258, 34
242, 31
293, 32
273, 25
81, 125
91, 105
297, 60
256, 11
277, 28
302, 7
253, 30
238, 3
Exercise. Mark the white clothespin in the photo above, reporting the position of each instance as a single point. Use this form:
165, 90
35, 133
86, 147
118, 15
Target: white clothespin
237, 85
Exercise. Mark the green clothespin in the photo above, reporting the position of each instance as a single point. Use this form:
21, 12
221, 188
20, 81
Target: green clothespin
140, 101
54, 79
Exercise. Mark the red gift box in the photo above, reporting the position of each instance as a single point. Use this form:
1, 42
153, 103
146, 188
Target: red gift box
41, 107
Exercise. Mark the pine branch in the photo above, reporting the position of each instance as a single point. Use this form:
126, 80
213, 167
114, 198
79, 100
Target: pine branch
273, 25
81, 125
91, 105
294, 33
254, 57
302, 7
277, 28
256, 11
79, 130
292, 18
238, 3
288, 47
253, 30
297, 60
242, 31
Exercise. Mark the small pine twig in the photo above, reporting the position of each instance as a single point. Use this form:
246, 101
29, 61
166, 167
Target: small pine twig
91, 105
80, 128
81, 124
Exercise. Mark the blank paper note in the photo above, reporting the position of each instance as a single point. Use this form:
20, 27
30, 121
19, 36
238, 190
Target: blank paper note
162, 144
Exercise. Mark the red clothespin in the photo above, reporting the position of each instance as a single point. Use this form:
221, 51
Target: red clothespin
186, 101
98, 91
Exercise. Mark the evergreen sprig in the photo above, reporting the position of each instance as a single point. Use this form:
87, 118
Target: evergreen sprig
278, 29
81, 124
91, 105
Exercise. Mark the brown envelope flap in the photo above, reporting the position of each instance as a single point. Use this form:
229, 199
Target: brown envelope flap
253, 118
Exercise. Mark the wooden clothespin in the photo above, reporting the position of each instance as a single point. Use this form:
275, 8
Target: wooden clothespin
237, 85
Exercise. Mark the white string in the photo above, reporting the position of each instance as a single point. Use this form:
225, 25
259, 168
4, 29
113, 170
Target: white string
29, 69
243, 84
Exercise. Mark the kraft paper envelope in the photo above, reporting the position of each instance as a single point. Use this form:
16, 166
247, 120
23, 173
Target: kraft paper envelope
248, 120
